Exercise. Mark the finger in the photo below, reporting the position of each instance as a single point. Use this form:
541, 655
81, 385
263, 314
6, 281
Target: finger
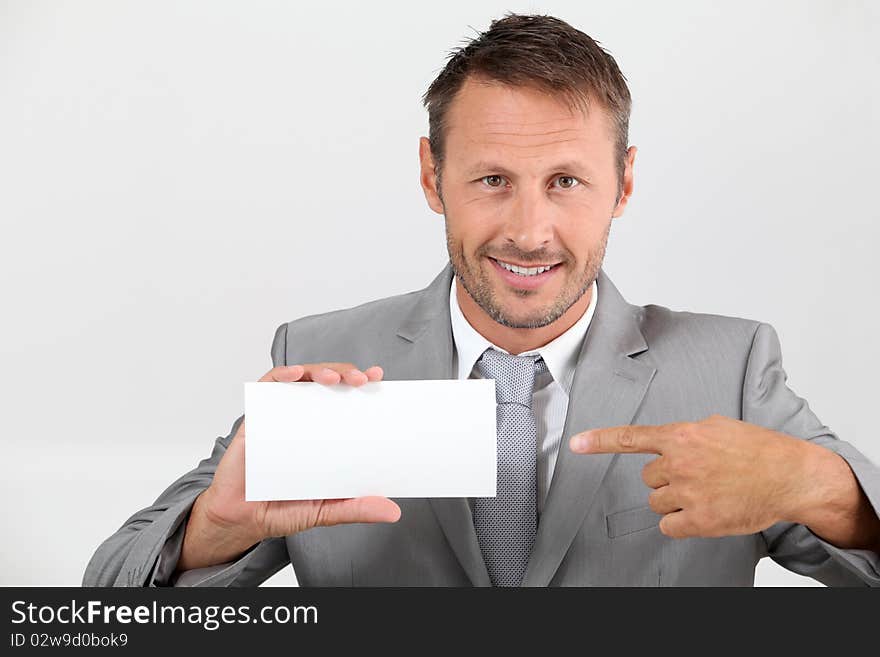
324, 375
374, 373
327, 376
678, 525
284, 373
654, 473
354, 377
358, 509
631, 438
664, 500
327, 373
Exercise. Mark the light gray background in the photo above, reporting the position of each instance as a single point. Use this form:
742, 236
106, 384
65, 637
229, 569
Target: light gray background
178, 178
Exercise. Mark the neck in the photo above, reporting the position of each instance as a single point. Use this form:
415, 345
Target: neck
518, 340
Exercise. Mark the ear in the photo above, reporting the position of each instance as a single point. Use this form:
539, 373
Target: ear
428, 176
627, 187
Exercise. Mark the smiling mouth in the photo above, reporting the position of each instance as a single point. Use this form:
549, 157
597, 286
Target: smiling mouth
525, 271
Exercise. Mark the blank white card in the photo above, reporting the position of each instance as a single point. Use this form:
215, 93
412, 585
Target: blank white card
392, 438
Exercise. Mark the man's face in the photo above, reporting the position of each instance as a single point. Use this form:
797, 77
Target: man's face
526, 182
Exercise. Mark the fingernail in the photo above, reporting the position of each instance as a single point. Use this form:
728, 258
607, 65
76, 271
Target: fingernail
580, 443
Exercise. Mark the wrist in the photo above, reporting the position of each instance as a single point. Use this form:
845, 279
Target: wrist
827, 490
217, 521
211, 539
839, 511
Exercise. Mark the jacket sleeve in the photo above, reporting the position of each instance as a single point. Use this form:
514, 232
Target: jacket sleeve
769, 402
145, 550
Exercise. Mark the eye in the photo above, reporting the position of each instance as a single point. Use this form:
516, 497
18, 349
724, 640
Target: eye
493, 180
566, 182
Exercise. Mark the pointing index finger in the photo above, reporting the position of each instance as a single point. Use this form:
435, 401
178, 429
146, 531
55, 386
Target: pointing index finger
627, 439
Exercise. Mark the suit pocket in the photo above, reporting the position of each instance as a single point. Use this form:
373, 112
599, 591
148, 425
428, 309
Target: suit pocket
630, 521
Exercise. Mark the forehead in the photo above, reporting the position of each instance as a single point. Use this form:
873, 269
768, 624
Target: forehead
491, 117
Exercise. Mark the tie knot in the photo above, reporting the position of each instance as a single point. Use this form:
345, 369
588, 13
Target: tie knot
514, 375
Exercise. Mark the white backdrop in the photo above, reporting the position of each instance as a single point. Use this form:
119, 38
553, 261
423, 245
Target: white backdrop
178, 178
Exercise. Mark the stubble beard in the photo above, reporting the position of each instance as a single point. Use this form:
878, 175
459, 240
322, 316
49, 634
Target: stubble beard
477, 284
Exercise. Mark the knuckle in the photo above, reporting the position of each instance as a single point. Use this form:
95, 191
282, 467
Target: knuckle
686, 433
322, 517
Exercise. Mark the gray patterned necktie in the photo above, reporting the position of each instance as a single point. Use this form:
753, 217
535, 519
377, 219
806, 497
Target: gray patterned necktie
506, 524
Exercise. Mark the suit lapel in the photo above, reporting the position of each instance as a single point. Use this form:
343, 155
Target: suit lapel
607, 389
425, 353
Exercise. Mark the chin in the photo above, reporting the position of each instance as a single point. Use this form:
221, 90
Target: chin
525, 323
516, 318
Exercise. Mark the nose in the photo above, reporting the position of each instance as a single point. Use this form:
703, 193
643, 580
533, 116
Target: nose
530, 221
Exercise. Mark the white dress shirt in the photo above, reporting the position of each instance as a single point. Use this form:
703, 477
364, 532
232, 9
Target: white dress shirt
550, 396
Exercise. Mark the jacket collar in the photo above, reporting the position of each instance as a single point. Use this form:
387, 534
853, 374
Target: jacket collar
607, 389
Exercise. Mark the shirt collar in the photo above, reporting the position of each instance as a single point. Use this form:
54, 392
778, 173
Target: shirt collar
560, 354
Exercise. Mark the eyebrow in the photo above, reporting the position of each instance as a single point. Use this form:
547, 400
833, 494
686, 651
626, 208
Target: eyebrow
483, 166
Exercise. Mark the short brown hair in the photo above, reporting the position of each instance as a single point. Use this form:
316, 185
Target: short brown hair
540, 52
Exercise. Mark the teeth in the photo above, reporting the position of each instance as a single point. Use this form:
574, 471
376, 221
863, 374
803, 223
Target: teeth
524, 271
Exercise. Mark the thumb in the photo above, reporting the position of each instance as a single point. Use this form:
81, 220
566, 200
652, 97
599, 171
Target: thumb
357, 509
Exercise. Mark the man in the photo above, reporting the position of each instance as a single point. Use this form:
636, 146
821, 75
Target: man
636, 445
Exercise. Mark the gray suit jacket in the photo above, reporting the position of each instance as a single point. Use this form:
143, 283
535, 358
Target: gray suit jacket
638, 365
